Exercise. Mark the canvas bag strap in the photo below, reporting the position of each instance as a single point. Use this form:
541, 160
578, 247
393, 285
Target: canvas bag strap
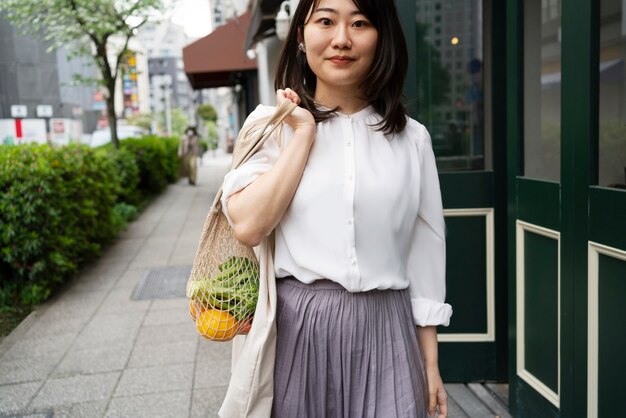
271, 125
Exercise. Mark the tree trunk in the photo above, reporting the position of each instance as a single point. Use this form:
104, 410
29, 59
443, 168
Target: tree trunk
110, 101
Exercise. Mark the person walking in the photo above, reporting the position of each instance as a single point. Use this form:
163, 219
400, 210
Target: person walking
353, 197
188, 152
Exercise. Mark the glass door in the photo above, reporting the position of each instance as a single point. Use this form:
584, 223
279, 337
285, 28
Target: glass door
449, 90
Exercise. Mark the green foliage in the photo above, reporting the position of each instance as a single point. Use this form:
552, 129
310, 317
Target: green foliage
58, 206
207, 113
55, 212
122, 214
143, 120
156, 160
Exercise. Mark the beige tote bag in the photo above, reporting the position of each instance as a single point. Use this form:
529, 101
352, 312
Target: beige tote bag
251, 388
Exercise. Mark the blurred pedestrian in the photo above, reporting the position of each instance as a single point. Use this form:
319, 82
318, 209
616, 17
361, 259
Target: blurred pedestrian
188, 152
354, 199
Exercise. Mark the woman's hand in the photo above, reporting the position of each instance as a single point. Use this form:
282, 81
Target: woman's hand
300, 118
437, 395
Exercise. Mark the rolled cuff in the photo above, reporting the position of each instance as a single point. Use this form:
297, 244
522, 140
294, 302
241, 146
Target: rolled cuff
234, 181
428, 312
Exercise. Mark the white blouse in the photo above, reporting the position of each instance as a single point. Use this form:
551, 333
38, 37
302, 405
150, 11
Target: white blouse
367, 213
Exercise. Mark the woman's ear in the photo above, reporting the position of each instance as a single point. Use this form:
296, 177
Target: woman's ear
300, 35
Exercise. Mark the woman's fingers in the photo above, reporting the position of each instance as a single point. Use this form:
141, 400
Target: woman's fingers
287, 94
432, 403
442, 400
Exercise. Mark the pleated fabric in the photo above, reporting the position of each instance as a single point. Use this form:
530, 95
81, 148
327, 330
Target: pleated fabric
348, 355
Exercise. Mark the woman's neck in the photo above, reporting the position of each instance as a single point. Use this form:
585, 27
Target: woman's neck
347, 100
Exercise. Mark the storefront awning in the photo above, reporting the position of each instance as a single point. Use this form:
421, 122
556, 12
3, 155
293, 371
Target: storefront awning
219, 59
262, 23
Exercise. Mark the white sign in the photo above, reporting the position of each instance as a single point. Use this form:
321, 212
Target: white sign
19, 111
44, 111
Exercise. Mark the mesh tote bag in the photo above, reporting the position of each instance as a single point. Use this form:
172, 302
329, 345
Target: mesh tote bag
223, 287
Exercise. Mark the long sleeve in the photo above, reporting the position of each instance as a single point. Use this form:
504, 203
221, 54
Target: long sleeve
427, 255
261, 162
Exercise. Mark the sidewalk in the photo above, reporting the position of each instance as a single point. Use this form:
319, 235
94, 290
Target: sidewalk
96, 350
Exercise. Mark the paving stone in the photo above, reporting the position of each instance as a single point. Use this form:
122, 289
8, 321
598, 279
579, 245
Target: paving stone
119, 301
170, 228
109, 329
39, 346
46, 326
166, 405
155, 379
123, 249
88, 409
28, 369
70, 306
14, 398
163, 354
130, 278
167, 316
103, 271
214, 349
159, 334
170, 304
211, 372
111, 357
76, 389
207, 402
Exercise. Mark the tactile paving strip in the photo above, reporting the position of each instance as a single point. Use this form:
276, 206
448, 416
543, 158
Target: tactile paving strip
163, 283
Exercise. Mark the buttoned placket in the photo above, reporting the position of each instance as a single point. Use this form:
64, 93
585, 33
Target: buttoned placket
349, 146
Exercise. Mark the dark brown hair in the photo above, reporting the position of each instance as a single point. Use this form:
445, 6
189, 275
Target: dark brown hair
384, 82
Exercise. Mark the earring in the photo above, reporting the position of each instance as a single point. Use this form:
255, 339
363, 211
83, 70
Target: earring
301, 47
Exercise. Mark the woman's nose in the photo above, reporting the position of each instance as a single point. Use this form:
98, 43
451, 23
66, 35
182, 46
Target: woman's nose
341, 38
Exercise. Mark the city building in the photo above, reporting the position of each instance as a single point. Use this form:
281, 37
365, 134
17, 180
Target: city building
31, 77
164, 42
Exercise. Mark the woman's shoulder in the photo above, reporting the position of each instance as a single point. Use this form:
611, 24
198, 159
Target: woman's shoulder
261, 111
417, 133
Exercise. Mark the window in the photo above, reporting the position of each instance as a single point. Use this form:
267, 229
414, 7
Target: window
542, 95
612, 109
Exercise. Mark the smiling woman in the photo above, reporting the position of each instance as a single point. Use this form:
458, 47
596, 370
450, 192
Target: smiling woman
352, 194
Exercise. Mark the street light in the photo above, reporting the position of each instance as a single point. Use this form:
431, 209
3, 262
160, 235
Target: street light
282, 21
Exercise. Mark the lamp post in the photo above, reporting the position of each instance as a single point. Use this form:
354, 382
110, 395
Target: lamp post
165, 98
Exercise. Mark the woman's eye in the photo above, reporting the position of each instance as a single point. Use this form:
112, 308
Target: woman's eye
326, 22
360, 24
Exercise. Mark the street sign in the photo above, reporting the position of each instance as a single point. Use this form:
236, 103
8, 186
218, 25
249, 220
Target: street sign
44, 111
19, 111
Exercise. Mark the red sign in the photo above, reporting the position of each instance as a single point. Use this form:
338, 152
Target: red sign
18, 128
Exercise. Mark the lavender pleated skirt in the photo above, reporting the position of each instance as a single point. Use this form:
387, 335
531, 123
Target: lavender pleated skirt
346, 355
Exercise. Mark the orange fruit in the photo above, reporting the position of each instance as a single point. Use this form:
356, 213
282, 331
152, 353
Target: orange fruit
194, 308
216, 325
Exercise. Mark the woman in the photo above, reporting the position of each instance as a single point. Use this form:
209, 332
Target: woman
188, 152
354, 199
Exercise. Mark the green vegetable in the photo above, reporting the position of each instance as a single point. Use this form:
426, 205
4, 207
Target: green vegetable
235, 289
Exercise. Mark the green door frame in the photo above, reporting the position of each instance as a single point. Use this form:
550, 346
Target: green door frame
586, 212
476, 361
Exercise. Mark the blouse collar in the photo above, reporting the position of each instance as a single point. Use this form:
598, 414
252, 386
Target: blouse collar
360, 115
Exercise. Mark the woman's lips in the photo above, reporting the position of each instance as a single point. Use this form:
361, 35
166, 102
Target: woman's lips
341, 60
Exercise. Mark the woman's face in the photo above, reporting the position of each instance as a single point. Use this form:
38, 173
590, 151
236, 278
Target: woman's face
340, 44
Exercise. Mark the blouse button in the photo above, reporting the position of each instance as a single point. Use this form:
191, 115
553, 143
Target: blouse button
354, 262
349, 221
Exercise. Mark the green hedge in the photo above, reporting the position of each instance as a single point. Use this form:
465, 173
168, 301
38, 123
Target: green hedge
58, 206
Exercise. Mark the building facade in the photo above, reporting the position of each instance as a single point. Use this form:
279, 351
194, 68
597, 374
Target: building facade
44, 78
164, 42
524, 101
